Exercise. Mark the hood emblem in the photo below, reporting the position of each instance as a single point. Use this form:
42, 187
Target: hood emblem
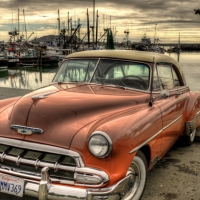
24, 130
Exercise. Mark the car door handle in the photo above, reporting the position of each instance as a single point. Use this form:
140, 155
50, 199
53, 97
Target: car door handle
179, 93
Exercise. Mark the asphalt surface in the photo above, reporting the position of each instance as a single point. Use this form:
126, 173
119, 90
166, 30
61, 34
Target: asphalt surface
175, 177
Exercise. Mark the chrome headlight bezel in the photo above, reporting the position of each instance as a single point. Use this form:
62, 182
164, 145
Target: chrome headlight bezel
107, 139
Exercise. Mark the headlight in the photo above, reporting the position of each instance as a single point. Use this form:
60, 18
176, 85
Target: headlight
100, 144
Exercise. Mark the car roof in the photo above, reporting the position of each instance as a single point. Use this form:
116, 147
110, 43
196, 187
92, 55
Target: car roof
124, 54
128, 55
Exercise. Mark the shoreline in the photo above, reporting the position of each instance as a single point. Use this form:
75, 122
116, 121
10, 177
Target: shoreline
6, 93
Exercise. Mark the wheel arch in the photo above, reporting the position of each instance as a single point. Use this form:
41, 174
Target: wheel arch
147, 153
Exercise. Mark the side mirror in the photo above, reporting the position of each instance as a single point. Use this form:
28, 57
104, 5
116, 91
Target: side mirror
164, 93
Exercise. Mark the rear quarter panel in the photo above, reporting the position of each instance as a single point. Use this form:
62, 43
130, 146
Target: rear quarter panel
193, 108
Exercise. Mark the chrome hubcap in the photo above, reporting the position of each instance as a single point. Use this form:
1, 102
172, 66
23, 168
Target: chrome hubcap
192, 135
137, 182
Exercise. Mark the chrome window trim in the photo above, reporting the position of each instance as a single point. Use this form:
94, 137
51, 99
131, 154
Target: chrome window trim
144, 143
94, 70
175, 89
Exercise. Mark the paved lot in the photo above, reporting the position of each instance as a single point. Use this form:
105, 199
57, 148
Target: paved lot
175, 177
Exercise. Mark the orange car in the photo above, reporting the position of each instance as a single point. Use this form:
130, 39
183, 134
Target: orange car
105, 120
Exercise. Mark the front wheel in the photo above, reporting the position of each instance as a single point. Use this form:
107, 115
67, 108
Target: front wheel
189, 139
138, 170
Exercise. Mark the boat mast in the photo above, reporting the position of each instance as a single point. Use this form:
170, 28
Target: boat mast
93, 22
59, 27
88, 28
18, 26
25, 24
79, 31
97, 28
155, 34
68, 24
179, 41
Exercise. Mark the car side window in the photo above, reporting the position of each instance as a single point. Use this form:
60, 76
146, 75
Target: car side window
176, 79
165, 76
156, 82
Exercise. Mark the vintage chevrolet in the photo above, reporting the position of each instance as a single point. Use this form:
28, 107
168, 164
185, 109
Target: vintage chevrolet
105, 120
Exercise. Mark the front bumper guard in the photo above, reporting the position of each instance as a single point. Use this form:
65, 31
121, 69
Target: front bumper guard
44, 190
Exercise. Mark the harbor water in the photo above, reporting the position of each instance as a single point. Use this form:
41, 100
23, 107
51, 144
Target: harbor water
34, 77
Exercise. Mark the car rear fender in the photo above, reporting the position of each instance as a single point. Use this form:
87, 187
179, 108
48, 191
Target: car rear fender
193, 113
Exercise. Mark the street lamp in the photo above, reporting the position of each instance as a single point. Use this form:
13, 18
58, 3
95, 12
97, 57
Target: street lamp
126, 32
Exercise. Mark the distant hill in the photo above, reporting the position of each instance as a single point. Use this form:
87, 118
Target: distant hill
45, 38
49, 38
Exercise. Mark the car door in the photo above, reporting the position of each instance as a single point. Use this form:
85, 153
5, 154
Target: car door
172, 107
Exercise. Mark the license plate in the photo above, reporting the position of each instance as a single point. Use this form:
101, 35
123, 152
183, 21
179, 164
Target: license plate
11, 185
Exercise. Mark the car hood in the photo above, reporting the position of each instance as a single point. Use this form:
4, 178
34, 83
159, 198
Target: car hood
61, 112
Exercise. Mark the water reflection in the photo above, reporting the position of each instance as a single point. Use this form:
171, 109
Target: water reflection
190, 62
35, 77
27, 77
3, 71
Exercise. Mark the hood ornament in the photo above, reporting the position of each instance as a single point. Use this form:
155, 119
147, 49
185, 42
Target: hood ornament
24, 130
41, 96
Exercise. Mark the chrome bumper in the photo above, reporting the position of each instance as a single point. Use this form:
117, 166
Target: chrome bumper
44, 190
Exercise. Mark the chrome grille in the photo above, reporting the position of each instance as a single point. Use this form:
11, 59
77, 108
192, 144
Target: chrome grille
27, 159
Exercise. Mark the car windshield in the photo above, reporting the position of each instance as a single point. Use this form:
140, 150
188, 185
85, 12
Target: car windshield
77, 70
108, 72
122, 73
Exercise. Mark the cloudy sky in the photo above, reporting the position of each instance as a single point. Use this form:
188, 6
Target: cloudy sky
138, 17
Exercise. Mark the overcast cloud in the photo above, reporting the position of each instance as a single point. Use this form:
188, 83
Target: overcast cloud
140, 17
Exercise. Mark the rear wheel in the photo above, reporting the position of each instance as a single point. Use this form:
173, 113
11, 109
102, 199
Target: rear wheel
189, 139
138, 170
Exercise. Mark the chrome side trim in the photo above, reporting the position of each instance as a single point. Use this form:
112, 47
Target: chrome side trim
172, 122
141, 145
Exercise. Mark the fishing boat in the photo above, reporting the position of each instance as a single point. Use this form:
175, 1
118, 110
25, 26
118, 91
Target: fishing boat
12, 60
146, 45
3, 60
33, 57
